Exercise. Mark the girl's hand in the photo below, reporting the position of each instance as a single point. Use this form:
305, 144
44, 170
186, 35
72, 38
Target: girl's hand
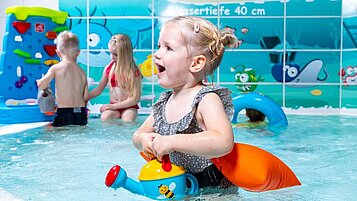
146, 143
161, 145
102, 108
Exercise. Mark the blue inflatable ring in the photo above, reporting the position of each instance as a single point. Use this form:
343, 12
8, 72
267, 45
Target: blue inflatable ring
264, 104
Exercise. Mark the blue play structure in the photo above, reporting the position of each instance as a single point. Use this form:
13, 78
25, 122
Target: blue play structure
28, 52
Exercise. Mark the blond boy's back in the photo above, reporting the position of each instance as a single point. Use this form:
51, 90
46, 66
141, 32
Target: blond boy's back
71, 85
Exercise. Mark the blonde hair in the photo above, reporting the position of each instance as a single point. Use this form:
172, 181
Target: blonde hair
202, 37
126, 71
67, 43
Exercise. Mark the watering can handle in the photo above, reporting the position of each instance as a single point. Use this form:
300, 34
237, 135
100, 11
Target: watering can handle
166, 163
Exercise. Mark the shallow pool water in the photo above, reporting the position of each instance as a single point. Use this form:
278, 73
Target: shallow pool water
70, 163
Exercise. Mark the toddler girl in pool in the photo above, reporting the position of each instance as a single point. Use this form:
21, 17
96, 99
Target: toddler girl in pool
191, 122
124, 79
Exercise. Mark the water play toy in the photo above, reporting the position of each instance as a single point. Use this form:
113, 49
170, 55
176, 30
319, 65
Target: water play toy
46, 101
250, 167
264, 104
158, 180
28, 52
255, 169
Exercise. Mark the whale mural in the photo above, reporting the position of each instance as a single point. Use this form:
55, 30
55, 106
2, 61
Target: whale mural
99, 35
137, 26
97, 40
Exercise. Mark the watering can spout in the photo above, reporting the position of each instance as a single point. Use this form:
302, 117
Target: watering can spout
117, 178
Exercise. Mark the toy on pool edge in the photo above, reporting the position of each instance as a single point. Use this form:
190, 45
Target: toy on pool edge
158, 180
264, 104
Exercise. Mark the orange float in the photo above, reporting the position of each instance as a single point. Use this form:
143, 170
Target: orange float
255, 169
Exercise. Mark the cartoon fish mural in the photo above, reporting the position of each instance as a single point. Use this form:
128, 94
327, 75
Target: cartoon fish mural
146, 67
349, 76
244, 30
244, 79
232, 30
293, 74
229, 29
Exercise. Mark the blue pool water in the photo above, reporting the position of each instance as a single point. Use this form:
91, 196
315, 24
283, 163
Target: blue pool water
50, 164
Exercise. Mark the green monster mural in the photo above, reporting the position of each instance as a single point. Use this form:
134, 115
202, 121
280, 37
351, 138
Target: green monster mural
245, 78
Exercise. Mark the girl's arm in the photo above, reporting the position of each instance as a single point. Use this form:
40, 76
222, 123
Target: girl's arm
217, 139
143, 137
102, 84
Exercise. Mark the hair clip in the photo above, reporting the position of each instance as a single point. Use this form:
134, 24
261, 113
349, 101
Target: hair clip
196, 28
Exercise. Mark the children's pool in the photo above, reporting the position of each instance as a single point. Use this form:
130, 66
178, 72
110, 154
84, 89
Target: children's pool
70, 163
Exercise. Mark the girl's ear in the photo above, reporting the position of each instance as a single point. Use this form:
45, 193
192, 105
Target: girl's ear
198, 63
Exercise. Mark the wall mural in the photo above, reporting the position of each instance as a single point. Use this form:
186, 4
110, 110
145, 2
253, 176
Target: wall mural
303, 57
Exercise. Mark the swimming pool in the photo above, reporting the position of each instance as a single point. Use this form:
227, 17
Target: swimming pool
70, 163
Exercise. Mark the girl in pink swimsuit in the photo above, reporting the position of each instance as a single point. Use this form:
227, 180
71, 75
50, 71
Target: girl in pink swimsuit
124, 80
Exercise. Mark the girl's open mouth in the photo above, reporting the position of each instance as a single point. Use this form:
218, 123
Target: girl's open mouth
160, 68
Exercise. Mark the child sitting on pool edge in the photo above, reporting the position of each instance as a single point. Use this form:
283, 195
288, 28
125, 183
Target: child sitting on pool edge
70, 82
191, 122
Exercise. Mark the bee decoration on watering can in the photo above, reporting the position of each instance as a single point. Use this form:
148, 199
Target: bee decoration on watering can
166, 191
